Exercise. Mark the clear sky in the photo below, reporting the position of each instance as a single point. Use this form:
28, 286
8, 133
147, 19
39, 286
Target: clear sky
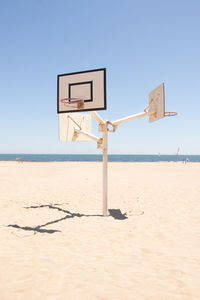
141, 43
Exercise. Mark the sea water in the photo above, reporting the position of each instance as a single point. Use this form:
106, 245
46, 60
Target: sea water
98, 157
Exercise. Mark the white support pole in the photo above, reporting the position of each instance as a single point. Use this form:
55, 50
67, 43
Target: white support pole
130, 118
97, 117
105, 171
104, 130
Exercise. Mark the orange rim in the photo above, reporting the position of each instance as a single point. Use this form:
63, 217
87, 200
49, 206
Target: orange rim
171, 114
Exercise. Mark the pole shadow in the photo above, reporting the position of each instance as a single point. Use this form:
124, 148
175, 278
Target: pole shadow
115, 213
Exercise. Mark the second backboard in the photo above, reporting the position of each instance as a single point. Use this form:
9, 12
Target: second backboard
157, 103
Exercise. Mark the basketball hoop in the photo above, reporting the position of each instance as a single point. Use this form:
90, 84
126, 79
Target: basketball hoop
73, 102
171, 114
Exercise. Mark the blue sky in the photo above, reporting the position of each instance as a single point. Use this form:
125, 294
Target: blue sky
140, 43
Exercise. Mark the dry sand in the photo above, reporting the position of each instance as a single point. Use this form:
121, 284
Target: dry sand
55, 245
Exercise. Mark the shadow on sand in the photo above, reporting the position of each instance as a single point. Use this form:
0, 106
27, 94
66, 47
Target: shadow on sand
115, 213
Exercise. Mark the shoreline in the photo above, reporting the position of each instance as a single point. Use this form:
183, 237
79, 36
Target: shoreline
92, 161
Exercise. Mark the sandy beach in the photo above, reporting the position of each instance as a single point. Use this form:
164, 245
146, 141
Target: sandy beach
55, 244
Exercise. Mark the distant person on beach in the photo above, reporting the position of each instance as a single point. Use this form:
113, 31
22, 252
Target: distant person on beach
185, 160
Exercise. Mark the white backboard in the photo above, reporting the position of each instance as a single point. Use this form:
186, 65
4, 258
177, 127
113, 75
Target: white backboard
87, 85
69, 124
157, 103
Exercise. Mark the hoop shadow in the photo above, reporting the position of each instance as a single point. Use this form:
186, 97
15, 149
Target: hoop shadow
115, 213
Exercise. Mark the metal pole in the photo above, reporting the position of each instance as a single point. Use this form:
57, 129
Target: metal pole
97, 117
105, 170
130, 118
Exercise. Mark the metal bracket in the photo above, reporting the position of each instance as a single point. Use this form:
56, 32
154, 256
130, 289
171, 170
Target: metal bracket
113, 126
102, 127
75, 135
100, 144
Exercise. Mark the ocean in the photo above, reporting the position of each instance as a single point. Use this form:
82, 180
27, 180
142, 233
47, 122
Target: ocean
98, 157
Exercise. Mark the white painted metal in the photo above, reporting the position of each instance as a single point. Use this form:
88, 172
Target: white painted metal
103, 127
91, 136
105, 172
155, 112
130, 118
97, 117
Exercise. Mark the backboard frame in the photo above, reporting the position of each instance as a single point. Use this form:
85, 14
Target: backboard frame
90, 83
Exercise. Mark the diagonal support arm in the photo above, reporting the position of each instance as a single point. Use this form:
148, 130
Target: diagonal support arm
98, 117
91, 136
